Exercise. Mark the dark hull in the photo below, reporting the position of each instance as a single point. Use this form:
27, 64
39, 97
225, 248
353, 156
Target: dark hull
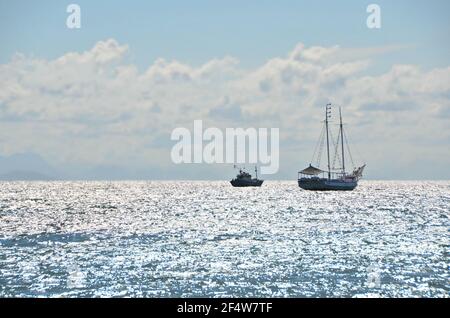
326, 185
246, 183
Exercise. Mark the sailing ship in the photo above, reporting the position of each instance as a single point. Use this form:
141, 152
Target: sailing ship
244, 179
334, 178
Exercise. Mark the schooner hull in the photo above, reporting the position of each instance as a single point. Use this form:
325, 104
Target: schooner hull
326, 185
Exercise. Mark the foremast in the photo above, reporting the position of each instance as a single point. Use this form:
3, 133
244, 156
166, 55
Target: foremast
341, 131
342, 142
327, 115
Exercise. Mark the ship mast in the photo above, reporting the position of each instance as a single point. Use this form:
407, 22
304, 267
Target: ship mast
256, 172
342, 143
327, 113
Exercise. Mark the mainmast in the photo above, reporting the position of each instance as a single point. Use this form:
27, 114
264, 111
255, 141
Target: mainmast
327, 113
342, 142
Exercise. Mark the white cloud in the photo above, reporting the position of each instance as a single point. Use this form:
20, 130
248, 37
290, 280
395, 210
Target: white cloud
93, 107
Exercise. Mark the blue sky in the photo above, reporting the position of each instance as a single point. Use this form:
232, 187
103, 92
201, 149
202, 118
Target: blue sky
101, 101
253, 31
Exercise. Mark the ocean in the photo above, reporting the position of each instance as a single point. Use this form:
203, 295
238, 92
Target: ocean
208, 239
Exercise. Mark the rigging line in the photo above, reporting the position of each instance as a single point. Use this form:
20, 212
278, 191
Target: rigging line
336, 153
335, 146
321, 147
319, 156
358, 153
317, 144
348, 149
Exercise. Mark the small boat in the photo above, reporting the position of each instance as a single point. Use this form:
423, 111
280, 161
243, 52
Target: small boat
244, 179
334, 178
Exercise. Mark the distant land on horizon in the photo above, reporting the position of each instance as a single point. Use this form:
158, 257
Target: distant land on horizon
25, 166
23, 175
32, 167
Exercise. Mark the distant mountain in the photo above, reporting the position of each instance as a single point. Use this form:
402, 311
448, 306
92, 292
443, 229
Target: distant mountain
24, 176
26, 166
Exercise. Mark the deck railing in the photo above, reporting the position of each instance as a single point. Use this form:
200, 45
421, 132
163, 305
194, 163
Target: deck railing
322, 175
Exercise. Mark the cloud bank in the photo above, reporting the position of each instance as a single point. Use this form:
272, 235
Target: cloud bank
95, 109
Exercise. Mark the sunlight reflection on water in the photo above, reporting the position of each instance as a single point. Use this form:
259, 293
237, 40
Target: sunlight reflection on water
171, 239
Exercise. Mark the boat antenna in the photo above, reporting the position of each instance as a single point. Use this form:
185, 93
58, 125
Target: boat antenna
342, 141
327, 115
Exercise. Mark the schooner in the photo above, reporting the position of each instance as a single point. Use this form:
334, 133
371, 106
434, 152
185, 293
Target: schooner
334, 178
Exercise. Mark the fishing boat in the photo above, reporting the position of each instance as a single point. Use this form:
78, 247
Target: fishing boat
244, 179
333, 178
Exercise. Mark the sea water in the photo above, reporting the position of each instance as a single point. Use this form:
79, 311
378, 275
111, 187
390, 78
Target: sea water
208, 239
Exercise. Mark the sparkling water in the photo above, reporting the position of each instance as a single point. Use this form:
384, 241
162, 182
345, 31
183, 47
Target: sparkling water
208, 239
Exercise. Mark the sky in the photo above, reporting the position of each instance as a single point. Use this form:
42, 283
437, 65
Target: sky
101, 101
